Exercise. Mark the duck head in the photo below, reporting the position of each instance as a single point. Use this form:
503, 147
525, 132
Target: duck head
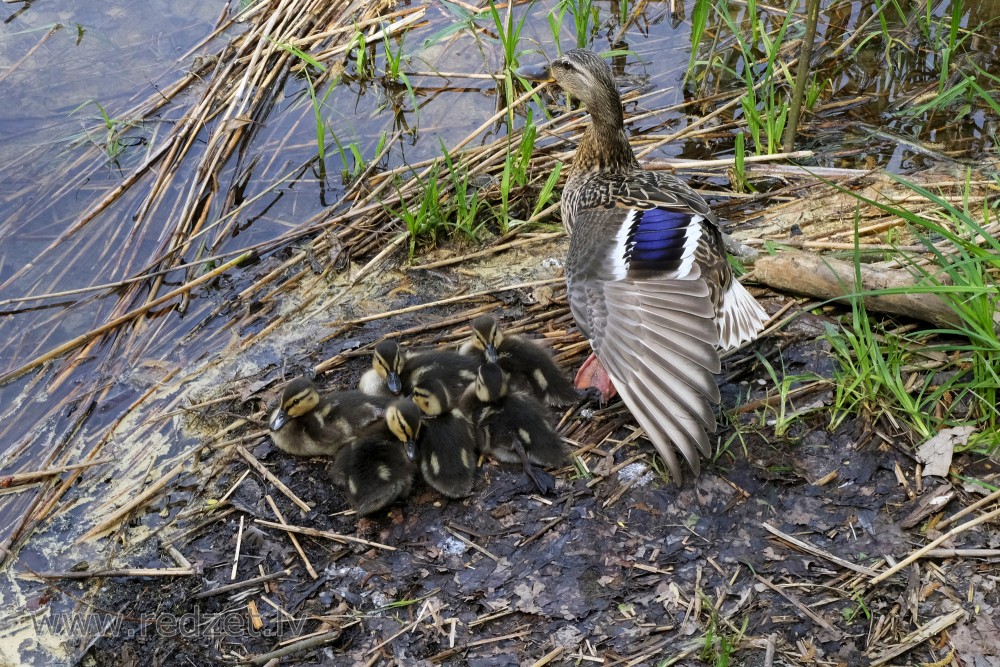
584, 75
387, 361
491, 383
299, 398
403, 419
487, 336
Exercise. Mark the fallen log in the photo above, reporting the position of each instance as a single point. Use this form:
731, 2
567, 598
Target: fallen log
827, 278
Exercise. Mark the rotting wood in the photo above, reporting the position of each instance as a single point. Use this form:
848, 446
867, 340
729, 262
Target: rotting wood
834, 280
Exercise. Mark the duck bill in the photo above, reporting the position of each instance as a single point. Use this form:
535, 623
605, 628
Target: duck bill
491, 353
395, 384
535, 73
279, 419
411, 449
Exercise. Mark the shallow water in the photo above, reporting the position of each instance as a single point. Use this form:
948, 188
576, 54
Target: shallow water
55, 167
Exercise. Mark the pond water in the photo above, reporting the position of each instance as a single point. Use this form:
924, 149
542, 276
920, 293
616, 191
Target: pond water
89, 102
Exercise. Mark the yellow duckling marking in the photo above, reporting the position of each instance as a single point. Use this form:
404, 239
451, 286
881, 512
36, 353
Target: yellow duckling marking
435, 465
352, 486
524, 436
539, 376
466, 459
384, 473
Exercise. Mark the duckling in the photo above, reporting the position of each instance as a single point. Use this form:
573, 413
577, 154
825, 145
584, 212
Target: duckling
526, 362
308, 424
446, 450
395, 371
513, 426
378, 467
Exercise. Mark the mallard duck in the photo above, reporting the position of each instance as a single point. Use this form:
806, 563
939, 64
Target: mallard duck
308, 424
446, 448
525, 362
513, 426
375, 469
647, 277
396, 371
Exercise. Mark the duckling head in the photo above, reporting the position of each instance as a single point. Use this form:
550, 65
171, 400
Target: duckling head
299, 398
403, 419
584, 75
487, 336
491, 383
388, 363
432, 397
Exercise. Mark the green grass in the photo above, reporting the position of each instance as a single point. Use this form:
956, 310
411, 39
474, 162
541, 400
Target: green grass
881, 373
316, 102
113, 144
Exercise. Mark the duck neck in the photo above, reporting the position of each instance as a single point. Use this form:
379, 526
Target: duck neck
604, 147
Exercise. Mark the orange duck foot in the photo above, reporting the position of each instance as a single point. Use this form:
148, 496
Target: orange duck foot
593, 376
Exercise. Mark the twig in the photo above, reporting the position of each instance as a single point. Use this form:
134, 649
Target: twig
236, 555
125, 572
944, 523
26, 477
302, 530
118, 321
242, 584
304, 645
252, 460
819, 620
816, 551
291, 536
954, 532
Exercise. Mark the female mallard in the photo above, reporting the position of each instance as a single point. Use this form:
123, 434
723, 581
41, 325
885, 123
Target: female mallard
647, 277
308, 424
526, 362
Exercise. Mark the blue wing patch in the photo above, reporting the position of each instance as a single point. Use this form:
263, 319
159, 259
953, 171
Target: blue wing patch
658, 238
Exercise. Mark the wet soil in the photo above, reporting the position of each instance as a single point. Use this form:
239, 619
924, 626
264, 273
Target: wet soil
615, 567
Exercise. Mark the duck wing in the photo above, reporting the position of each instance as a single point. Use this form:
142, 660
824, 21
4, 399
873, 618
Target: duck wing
638, 288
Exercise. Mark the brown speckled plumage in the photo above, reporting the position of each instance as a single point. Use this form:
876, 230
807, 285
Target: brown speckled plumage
647, 275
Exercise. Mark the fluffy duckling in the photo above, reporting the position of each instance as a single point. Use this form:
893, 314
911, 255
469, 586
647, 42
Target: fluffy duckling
446, 449
514, 427
396, 371
308, 424
526, 362
378, 468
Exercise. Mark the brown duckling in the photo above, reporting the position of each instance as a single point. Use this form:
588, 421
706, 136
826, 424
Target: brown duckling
308, 424
526, 363
396, 371
446, 448
376, 469
513, 426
